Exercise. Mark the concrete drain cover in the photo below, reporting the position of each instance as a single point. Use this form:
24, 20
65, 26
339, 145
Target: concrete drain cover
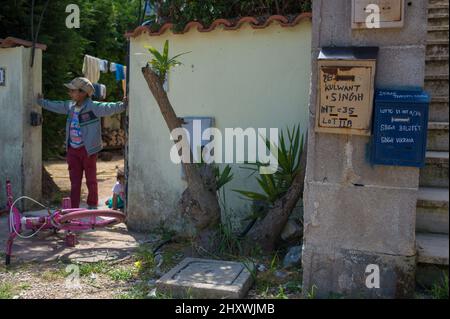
204, 278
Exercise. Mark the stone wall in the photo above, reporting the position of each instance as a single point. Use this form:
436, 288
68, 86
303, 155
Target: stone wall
357, 214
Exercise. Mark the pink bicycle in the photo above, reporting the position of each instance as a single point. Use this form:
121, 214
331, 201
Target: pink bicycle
67, 219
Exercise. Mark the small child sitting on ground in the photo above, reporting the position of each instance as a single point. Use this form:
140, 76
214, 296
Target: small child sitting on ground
118, 199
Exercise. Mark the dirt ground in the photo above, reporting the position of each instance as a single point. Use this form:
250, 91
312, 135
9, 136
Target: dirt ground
112, 263
106, 177
115, 263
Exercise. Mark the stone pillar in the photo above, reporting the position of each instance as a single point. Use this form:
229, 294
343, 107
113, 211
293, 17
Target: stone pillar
357, 214
20, 142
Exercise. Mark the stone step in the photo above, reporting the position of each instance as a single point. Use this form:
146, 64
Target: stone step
438, 33
435, 172
437, 2
436, 58
437, 28
432, 214
434, 2
439, 110
437, 47
436, 67
437, 139
438, 19
438, 8
437, 77
437, 84
432, 248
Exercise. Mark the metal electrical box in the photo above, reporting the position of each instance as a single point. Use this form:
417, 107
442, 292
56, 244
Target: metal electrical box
400, 128
345, 90
2, 77
390, 13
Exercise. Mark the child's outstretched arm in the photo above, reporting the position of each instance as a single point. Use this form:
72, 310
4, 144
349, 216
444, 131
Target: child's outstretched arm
61, 107
109, 108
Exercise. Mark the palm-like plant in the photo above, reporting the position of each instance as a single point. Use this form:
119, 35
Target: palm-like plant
161, 63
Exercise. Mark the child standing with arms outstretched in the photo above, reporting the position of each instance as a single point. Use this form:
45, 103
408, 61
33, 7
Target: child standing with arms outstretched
83, 135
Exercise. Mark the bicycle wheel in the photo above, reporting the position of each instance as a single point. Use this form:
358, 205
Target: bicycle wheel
92, 218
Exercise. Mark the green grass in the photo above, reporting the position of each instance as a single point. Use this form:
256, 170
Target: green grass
145, 261
228, 242
103, 268
439, 290
121, 274
311, 294
52, 275
139, 291
281, 293
294, 286
86, 269
7, 291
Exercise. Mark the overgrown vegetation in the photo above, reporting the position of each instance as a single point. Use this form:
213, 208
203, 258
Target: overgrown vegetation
180, 12
103, 24
274, 186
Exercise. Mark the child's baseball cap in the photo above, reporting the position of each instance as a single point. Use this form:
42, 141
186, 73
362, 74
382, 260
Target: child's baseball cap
82, 84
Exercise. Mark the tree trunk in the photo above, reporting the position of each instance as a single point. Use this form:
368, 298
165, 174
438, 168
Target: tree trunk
266, 232
199, 201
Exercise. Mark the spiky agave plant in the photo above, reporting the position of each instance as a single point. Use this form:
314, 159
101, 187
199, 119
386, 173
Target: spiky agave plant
274, 186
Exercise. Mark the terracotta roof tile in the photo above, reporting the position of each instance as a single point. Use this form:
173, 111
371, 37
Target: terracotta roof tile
10, 42
254, 22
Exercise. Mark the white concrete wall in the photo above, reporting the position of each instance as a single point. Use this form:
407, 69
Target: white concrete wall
20, 144
245, 78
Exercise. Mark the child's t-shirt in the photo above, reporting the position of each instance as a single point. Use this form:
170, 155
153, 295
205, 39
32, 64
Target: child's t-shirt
75, 138
118, 189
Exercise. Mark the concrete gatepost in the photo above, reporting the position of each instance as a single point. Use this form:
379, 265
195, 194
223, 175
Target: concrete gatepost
20, 141
360, 218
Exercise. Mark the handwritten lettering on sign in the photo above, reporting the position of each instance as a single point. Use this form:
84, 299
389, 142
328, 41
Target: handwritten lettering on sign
404, 120
345, 97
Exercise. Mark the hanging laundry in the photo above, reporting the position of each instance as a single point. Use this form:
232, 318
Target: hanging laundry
104, 66
103, 91
120, 72
97, 91
91, 68
112, 67
100, 91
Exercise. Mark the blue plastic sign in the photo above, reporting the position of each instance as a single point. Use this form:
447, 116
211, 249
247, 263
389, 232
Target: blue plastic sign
400, 128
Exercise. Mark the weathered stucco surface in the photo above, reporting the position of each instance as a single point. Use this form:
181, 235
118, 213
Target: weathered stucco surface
245, 78
20, 144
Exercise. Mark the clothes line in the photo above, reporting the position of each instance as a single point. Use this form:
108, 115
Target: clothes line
93, 66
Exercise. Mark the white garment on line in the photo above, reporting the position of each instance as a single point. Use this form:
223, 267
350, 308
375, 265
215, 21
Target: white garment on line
112, 67
103, 66
103, 91
91, 68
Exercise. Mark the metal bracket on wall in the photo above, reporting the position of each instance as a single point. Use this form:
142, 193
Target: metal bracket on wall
36, 119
